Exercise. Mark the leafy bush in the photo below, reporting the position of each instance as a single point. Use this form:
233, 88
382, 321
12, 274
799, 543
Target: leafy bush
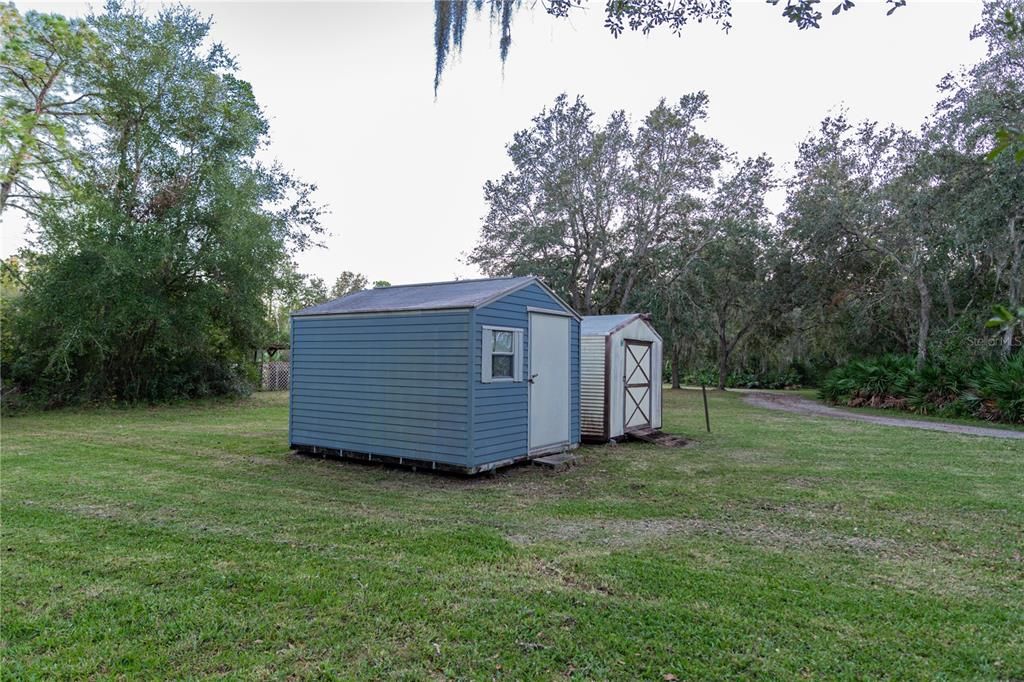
984, 389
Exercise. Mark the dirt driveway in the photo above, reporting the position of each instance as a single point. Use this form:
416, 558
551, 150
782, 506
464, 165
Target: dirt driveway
800, 405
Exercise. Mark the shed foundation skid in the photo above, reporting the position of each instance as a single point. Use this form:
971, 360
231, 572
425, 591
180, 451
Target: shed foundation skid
424, 464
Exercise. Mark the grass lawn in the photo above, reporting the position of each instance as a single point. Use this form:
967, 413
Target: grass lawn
186, 541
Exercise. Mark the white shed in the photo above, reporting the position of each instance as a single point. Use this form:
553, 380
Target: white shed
620, 376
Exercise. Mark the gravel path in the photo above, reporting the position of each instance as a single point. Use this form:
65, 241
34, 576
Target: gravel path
810, 408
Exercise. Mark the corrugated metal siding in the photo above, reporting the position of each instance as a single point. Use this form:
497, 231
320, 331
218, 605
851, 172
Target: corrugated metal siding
574, 380
393, 384
592, 388
500, 427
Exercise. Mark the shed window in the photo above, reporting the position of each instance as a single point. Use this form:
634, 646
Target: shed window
502, 355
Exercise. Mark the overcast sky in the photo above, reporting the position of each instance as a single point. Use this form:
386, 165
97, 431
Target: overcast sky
348, 88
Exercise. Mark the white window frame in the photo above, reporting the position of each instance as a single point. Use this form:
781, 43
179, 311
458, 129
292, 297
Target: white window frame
487, 351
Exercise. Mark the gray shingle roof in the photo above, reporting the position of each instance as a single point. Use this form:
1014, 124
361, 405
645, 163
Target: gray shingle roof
468, 293
602, 325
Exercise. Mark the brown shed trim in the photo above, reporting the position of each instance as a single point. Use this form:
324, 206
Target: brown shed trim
650, 384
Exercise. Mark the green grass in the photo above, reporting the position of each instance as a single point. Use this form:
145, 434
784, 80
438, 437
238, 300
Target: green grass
186, 541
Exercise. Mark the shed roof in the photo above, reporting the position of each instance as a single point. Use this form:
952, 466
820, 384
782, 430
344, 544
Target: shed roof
467, 293
603, 325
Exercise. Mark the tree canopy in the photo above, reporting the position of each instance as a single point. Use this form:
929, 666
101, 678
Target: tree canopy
162, 239
890, 240
45, 99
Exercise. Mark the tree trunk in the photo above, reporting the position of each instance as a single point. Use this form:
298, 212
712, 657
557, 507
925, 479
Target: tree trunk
947, 294
1014, 279
924, 321
20, 157
675, 364
723, 355
13, 170
5, 191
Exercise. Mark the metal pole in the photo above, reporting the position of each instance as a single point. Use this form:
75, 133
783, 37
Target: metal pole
707, 418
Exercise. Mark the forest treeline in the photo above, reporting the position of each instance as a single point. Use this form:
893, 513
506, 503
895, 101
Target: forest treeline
164, 251
889, 240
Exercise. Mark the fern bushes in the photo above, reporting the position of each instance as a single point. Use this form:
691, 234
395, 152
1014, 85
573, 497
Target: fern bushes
992, 390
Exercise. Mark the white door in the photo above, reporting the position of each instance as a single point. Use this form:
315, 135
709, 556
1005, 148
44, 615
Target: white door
638, 384
549, 382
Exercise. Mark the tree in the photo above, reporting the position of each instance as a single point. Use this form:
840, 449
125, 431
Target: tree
863, 205
1009, 138
156, 257
892, 241
44, 101
672, 170
292, 291
12, 283
347, 283
981, 104
381, 284
450, 18
732, 277
555, 214
597, 209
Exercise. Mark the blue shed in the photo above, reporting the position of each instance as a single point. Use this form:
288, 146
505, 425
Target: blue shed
467, 376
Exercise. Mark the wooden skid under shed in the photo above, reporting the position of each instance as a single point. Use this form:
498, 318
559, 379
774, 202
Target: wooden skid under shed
557, 462
657, 437
413, 463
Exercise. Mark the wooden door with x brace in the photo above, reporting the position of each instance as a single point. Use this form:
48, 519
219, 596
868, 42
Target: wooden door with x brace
637, 384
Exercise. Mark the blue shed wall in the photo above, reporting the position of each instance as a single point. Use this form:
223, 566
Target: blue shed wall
388, 384
500, 427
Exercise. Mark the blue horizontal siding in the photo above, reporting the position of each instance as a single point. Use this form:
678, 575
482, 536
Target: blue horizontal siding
398, 372
372, 321
318, 395
412, 392
500, 427
443, 336
456, 350
423, 423
395, 385
346, 405
376, 383
501, 411
453, 437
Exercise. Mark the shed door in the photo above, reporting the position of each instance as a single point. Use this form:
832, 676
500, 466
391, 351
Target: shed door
549, 382
637, 384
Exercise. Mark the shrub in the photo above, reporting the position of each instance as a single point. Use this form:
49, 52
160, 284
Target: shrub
990, 389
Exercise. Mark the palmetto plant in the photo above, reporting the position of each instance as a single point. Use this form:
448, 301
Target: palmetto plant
1009, 321
989, 389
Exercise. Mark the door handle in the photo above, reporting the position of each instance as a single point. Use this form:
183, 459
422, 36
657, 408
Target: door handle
532, 377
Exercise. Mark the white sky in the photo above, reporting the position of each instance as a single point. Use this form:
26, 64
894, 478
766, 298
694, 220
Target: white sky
348, 88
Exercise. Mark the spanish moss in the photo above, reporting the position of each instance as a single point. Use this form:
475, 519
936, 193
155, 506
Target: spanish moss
641, 16
450, 26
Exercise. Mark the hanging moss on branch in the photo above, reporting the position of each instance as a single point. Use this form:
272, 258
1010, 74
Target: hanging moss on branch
641, 16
